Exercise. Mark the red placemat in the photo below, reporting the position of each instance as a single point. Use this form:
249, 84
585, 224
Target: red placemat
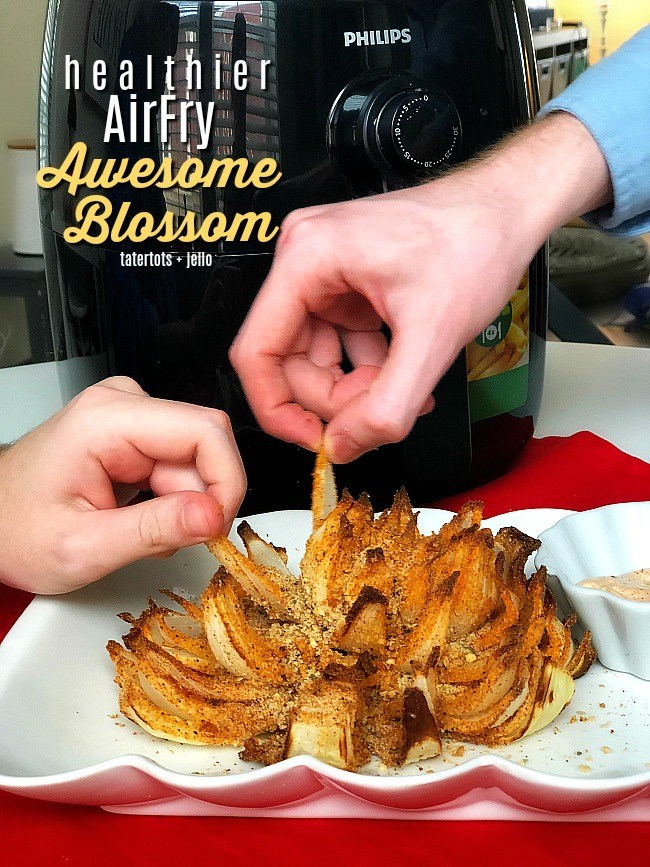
578, 472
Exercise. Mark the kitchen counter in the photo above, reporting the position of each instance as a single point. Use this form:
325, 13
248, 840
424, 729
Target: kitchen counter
559, 36
602, 389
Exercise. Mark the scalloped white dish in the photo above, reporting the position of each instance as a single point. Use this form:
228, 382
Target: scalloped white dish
612, 540
62, 738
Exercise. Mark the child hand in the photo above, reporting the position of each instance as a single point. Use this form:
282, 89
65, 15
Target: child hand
62, 485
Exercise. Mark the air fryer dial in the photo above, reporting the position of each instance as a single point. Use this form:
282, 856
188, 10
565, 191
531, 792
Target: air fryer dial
383, 127
418, 130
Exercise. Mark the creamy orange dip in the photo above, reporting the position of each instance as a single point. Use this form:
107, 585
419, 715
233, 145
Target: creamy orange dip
634, 586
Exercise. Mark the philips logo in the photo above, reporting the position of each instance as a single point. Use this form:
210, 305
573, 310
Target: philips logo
376, 37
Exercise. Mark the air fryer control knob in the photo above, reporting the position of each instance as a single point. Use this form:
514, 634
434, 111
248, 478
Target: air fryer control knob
417, 130
387, 130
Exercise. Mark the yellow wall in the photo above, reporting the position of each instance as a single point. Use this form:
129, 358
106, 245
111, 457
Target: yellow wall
21, 33
624, 18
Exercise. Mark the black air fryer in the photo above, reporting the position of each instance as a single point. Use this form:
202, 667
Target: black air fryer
359, 97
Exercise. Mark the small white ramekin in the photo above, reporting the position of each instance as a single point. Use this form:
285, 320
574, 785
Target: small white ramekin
611, 540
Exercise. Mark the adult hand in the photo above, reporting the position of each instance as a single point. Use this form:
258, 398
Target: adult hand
435, 263
61, 486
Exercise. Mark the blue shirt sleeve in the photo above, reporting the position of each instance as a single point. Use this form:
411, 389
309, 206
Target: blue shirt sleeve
612, 99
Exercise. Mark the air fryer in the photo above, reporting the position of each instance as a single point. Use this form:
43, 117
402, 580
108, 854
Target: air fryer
362, 97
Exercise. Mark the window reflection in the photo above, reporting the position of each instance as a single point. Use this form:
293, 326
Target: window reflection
245, 122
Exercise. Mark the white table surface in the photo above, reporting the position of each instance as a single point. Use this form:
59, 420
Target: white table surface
602, 389
31, 393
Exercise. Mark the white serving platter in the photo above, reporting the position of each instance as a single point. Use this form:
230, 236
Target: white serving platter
62, 740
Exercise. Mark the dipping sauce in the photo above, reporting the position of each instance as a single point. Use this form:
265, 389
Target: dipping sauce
634, 586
